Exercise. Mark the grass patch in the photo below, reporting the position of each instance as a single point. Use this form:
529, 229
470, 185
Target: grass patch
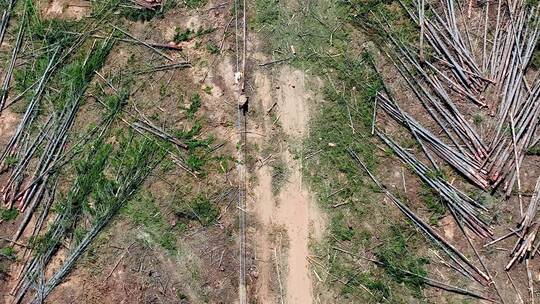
397, 255
434, 203
280, 173
478, 119
212, 48
194, 106
8, 214
205, 211
145, 14
8, 252
198, 209
194, 3
340, 229
356, 280
181, 35
144, 211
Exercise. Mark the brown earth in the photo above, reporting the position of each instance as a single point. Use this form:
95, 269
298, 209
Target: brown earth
205, 269
67, 9
292, 208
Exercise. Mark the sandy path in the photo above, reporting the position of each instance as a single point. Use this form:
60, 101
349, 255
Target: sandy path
294, 214
293, 208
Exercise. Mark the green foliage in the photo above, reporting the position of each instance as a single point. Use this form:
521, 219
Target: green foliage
100, 8
478, 119
78, 235
96, 196
90, 177
280, 173
266, 12
8, 214
8, 252
191, 4
11, 160
139, 14
115, 103
212, 48
208, 89
49, 35
89, 169
198, 209
188, 34
47, 32
364, 8
146, 14
372, 15
398, 259
357, 281
534, 150
195, 162
29, 74
194, 106
182, 35
205, 211
434, 203
77, 75
199, 150
340, 229
52, 32
167, 240
143, 211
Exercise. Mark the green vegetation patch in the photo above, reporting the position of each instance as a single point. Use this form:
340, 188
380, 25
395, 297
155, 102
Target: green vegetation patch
204, 210
141, 14
194, 106
181, 35
8, 214
8, 252
280, 173
199, 157
399, 260
199, 209
434, 203
144, 211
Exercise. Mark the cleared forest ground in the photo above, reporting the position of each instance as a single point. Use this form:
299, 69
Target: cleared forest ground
269, 151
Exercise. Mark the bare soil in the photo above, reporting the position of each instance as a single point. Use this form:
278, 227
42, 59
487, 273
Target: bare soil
292, 208
67, 9
8, 123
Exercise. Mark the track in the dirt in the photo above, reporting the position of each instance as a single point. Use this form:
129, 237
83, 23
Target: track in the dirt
241, 123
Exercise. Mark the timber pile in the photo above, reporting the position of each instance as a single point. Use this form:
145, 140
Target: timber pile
454, 70
454, 73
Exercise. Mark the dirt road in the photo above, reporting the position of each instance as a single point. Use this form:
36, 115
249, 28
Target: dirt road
292, 208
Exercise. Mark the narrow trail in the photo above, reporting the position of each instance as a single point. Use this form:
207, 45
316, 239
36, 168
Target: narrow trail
240, 11
292, 208
293, 213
